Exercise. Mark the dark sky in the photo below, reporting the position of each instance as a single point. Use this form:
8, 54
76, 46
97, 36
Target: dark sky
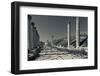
57, 26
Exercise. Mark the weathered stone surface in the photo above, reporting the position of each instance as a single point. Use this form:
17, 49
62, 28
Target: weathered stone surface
77, 32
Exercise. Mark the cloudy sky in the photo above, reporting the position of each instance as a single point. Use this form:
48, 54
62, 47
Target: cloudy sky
57, 26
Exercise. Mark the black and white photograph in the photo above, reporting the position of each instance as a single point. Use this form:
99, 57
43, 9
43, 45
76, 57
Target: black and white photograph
57, 37
52, 37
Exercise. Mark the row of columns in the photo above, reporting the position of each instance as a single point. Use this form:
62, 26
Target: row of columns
77, 33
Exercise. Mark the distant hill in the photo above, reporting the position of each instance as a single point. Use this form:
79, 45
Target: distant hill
64, 42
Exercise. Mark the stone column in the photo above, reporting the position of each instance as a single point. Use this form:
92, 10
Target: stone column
77, 32
68, 34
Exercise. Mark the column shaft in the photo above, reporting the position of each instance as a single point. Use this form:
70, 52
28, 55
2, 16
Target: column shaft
68, 34
77, 32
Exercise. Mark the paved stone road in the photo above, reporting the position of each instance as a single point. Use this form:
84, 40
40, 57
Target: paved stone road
54, 54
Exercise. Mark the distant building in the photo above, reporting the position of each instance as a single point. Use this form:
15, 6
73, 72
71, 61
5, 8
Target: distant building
33, 36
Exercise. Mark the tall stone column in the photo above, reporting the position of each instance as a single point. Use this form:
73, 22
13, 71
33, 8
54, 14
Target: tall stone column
77, 32
68, 34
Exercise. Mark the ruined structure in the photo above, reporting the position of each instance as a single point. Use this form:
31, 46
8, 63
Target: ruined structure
33, 36
77, 33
